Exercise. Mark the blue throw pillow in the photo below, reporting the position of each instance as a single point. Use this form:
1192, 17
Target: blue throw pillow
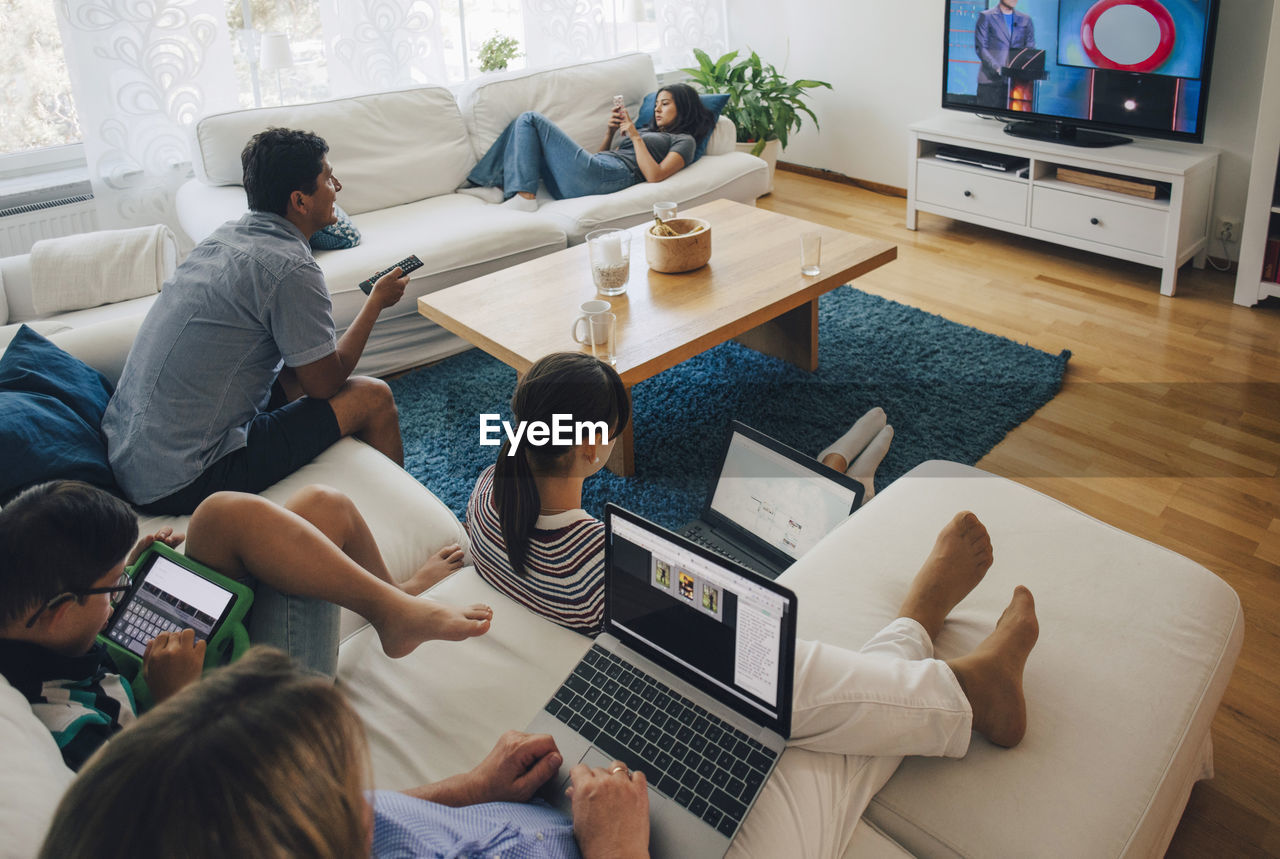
336, 236
51, 406
713, 102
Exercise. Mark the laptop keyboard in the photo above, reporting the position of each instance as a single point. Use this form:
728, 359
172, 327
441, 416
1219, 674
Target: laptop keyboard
702, 537
687, 753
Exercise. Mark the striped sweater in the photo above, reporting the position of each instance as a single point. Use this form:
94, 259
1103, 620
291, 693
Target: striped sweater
564, 570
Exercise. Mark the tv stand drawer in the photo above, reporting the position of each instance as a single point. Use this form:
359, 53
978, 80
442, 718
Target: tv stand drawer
967, 191
1109, 222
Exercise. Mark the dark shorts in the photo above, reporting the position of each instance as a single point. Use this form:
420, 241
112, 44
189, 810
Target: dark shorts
281, 441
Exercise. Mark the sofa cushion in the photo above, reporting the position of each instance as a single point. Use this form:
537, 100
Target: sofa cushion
51, 406
386, 148
713, 102
32, 776
455, 236
577, 98
340, 235
1136, 647
734, 176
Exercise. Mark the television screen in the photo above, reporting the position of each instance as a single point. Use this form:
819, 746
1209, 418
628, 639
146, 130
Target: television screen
1138, 66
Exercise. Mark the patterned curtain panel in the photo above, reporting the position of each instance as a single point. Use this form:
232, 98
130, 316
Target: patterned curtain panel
377, 45
557, 32
142, 72
687, 24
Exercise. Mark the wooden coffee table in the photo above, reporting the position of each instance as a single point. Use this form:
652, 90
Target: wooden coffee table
751, 291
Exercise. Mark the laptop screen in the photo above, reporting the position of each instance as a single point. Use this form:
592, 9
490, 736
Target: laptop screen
788, 504
719, 626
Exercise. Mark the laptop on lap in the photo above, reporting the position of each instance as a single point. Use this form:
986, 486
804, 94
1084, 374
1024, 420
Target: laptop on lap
689, 682
768, 503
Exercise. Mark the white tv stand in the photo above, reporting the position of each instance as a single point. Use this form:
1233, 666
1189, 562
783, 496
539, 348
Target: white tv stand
1164, 233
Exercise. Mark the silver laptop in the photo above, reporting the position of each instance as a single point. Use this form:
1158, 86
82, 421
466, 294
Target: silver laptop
690, 682
768, 503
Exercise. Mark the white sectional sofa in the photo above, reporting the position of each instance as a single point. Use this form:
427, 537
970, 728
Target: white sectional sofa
402, 155
1136, 647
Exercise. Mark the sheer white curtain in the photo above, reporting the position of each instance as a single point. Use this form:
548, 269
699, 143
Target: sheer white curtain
687, 24
142, 72
564, 31
382, 44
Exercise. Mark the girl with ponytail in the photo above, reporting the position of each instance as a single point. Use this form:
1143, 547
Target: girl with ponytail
530, 537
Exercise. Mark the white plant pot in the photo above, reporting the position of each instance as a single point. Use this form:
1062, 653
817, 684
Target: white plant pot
770, 155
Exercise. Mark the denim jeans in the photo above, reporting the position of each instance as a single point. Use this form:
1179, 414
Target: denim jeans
304, 628
533, 148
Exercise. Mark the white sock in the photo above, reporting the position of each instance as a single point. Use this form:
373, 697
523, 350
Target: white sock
863, 469
858, 437
522, 204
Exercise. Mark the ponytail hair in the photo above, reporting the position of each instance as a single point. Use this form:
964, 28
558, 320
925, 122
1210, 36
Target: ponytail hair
561, 383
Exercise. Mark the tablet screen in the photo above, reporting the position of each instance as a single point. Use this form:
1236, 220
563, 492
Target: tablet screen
169, 598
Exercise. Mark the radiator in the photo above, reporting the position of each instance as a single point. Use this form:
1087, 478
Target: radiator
23, 226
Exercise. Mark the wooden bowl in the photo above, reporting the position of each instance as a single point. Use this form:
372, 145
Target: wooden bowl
685, 252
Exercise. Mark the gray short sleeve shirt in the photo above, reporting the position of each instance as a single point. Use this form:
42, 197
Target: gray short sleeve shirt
660, 144
248, 300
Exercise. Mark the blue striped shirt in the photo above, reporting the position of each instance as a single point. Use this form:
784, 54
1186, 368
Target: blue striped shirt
564, 570
405, 827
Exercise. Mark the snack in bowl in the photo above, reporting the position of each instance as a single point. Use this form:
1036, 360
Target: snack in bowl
686, 248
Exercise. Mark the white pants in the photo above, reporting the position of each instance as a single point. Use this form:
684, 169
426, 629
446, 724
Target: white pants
855, 716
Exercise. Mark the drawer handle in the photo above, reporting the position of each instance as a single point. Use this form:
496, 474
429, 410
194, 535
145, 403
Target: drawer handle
1093, 221
968, 193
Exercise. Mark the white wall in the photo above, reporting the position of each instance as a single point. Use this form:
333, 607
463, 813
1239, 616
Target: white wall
884, 60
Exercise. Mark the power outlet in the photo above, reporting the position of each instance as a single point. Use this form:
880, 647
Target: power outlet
1229, 229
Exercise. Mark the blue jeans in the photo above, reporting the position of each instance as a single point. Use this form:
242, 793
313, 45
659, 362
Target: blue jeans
304, 628
533, 148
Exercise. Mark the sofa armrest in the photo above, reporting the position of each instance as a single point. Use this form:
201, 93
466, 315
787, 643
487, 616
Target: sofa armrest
724, 137
203, 208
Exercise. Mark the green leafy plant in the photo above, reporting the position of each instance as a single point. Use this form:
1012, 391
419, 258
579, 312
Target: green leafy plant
497, 51
762, 103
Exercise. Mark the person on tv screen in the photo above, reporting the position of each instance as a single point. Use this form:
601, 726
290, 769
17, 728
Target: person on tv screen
1000, 31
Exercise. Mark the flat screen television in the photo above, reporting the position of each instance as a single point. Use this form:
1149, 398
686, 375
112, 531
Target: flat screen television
1072, 70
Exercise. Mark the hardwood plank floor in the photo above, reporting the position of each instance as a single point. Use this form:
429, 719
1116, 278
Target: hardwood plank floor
1167, 426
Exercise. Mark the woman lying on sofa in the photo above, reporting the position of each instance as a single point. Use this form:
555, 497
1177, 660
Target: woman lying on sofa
281, 765
533, 148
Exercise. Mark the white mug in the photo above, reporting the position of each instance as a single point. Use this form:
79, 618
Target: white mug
598, 332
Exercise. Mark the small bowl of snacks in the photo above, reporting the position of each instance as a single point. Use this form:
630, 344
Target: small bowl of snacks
678, 244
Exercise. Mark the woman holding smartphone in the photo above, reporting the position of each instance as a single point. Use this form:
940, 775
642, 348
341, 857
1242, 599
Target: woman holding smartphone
534, 149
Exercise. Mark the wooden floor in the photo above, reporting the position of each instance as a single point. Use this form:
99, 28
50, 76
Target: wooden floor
1168, 426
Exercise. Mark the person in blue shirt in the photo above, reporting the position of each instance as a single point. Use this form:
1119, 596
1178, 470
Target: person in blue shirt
237, 377
999, 31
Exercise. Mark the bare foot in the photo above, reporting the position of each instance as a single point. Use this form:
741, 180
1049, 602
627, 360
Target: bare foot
438, 567
418, 620
991, 675
960, 558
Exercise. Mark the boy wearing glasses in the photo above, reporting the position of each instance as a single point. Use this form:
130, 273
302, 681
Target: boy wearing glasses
64, 547
55, 599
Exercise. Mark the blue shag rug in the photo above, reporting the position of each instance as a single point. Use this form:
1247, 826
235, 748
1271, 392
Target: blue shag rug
950, 391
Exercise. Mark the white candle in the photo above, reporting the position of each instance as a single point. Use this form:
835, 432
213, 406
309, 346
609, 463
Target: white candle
610, 249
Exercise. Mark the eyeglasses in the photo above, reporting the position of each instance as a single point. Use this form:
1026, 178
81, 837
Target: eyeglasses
117, 591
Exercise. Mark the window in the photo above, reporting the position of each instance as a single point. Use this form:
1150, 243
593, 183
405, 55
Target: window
307, 79
35, 99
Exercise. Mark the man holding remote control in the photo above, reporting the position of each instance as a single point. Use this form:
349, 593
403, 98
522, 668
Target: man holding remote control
237, 377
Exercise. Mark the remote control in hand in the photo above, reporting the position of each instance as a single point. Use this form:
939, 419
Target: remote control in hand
406, 265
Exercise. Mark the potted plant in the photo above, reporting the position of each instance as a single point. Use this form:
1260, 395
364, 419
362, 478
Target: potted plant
763, 104
497, 51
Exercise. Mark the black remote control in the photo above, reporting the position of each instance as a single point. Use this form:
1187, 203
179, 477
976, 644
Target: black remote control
408, 264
